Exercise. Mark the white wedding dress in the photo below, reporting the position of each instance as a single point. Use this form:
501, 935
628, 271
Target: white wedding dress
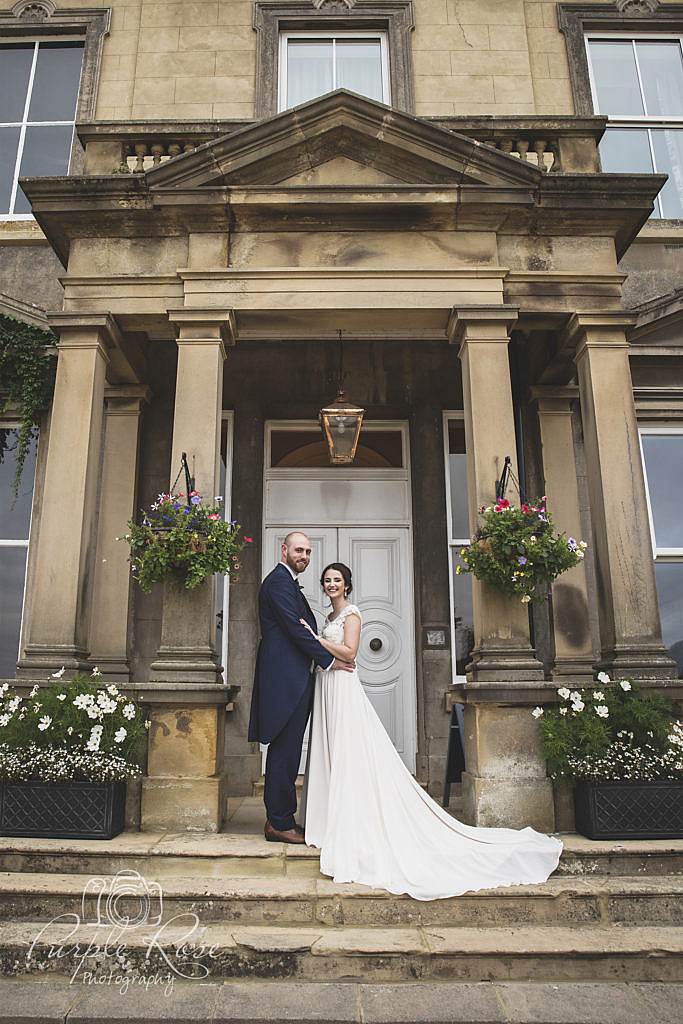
373, 822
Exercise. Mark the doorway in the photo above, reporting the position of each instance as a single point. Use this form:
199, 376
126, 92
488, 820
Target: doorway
359, 515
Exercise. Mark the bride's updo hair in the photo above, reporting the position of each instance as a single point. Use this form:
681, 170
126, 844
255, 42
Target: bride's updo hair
346, 575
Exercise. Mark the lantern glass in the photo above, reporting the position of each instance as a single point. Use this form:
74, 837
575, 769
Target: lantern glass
341, 424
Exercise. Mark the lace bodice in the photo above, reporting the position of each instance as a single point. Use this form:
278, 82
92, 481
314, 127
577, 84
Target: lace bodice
334, 630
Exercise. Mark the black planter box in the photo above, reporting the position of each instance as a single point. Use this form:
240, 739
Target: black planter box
629, 810
62, 810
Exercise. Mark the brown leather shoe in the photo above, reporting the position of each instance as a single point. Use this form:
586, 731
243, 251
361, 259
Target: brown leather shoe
290, 835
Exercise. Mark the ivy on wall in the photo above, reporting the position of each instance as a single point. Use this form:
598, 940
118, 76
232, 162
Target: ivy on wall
27, 380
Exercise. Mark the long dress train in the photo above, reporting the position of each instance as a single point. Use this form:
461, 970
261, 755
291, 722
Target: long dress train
373, 822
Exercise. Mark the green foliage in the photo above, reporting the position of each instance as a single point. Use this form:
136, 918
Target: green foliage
610, 731
516, 549
27, 376
81, 716
184, 542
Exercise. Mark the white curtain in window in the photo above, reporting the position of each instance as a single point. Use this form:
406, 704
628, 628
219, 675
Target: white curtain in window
309, 69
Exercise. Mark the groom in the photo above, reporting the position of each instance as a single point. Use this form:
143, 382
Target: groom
283, 685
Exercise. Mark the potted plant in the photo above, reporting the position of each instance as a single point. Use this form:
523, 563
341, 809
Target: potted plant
516, 549
66, 753
183, 540
623, 751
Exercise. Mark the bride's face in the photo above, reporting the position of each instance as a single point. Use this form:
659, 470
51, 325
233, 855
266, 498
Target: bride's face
333, 583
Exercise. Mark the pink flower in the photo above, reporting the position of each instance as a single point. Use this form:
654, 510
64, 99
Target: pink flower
214, 516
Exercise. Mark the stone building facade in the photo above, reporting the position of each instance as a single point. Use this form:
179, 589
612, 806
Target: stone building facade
201, 199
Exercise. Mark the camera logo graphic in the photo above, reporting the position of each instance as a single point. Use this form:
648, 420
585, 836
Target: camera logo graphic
125, 900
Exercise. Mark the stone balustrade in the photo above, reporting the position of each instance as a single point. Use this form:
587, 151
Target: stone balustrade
566, 145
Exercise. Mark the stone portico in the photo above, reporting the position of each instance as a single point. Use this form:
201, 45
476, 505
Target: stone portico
219, 279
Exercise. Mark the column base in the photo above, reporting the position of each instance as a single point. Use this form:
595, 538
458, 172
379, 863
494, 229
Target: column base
185, 665
41, 660
580, 671
507, 663
182, 804
114, 670
508, 802
642, 661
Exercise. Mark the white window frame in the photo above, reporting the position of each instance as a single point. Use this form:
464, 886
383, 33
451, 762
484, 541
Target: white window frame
659, 554
228, 417
646, 121
11, 542
25, 123
333, 35
454, 543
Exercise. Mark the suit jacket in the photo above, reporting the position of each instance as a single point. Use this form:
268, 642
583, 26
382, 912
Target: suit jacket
285, 651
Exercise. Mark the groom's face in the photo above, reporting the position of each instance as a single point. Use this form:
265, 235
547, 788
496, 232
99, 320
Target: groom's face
297, 553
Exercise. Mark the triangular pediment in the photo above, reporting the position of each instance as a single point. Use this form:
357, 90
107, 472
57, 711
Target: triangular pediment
343, 139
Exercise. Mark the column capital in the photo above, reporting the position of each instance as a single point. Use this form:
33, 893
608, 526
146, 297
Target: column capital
480, 323
205, 326
554, 399
595, 329
65, 322
127, 398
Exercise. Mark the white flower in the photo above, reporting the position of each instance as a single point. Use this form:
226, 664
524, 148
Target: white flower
44, 723
14, 703
34, 691
83, 701
96, 671
563, 711
603, 678
525, 599
3, 689
563, 692
128, 711
37, 706
574, 696
579, 553
61, 696
70, 729
120, 735
93, 712
147, 724
58, 675
532, 539
578, 705
582, 544
95, 736
112, 689
537, 712
598, 695
4, 719
602, 710
624, 684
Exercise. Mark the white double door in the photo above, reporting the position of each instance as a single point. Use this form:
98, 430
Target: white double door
380, 560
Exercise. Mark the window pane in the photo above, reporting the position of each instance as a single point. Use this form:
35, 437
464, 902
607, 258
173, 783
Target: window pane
626, 149
664, 464
464, 622
616, 77
12, 571
55, 86
15, 521
670, 592
15, 70
359, 66
46, 151
9, 140
457, 465
661, 71
668, 147
309, 69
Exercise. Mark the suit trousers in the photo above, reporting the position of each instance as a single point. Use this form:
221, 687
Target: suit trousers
282, 764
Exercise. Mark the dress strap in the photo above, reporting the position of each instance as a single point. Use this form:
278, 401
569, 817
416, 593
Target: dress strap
347, 611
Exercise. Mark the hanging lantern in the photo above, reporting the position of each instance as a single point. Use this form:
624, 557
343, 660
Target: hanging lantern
341, 422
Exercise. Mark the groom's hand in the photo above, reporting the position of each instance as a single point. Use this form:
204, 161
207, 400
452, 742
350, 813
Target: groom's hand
344, 666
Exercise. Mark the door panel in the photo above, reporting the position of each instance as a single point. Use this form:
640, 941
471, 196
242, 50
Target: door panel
381, 588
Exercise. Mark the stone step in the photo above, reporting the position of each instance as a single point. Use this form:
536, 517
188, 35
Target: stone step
55, 1001
164, 854
588, 900
379, 954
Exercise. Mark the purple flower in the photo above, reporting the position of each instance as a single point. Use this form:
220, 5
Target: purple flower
571, 544
522, 560
176, 506
187, 511
196, 500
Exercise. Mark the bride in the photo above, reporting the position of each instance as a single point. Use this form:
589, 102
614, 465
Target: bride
371, 820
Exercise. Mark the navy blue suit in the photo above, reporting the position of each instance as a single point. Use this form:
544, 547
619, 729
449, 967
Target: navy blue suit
283, 688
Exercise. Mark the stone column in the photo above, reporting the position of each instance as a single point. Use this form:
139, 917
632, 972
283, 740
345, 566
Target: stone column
502, 649
574, 654
62, 590
109, 628
185, 784
630, 631
505, 782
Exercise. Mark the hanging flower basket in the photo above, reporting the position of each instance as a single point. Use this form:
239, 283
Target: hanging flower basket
516, 550
184, 540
